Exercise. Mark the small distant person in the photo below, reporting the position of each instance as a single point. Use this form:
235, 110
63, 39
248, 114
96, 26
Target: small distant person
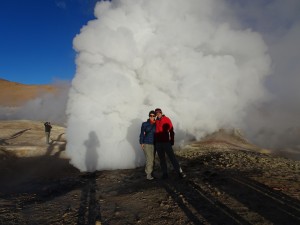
147, 143
48, 128
164, 140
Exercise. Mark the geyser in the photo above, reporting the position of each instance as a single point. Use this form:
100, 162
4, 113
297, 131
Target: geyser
187, 57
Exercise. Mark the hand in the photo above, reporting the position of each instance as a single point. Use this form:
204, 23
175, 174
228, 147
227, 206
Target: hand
172, 142
142, 145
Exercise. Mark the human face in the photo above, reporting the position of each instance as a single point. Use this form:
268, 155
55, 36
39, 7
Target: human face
158, 114
152, 117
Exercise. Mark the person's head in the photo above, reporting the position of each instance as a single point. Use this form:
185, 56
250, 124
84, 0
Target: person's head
158, 113
152, 115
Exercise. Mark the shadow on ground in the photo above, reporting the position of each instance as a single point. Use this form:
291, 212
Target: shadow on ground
48, 190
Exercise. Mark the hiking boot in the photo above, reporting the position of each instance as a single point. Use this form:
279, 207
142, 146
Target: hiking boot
149, 177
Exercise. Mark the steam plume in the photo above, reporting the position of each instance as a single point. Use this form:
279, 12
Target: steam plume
46, 107
191, 58
276, 124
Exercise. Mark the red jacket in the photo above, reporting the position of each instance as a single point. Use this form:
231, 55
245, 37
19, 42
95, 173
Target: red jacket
164, 131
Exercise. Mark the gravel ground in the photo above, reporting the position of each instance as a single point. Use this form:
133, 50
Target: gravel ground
223, 186
229, 181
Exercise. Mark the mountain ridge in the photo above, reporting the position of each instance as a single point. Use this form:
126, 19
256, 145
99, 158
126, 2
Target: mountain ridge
14, 94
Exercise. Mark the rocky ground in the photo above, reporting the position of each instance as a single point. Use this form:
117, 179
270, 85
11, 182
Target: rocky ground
229, 181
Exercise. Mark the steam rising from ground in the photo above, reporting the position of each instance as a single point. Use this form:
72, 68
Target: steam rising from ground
191, 58
46, 107
276, 123
208, 64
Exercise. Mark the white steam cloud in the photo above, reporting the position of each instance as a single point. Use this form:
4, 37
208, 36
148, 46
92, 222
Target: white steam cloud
191, 58
276, 124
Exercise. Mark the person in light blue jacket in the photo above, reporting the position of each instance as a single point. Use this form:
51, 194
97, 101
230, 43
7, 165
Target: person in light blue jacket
147, 143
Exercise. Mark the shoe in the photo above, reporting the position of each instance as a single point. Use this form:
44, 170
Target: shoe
182, 175
149, 177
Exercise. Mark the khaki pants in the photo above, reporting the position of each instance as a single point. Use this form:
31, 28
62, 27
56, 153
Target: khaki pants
149, 153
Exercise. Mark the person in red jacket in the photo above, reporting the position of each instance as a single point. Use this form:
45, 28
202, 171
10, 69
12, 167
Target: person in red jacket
164, 140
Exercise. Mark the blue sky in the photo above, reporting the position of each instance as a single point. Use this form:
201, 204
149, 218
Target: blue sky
36, 38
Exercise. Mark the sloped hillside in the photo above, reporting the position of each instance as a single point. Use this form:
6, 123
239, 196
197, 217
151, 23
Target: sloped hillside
14, 94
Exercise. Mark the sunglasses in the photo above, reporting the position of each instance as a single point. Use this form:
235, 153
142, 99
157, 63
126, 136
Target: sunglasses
152, 116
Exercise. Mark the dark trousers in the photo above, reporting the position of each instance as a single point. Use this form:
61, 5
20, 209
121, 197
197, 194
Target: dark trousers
162, 149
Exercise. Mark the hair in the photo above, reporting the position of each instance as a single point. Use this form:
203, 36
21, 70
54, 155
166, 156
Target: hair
152, 112
158, 110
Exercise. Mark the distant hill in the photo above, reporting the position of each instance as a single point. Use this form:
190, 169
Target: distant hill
14, 94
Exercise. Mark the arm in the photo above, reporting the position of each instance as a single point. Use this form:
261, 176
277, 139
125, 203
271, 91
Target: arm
172, 136
171, 131
142, 135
